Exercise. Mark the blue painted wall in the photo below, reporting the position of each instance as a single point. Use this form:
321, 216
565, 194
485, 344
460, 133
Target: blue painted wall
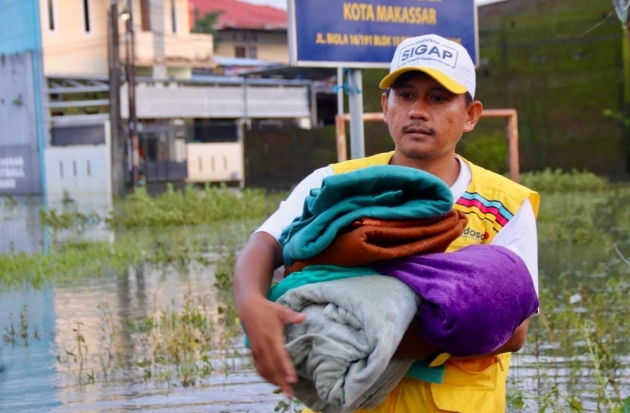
21, 111
19, 26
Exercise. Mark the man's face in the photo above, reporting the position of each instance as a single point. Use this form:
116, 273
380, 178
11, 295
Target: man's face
426, 120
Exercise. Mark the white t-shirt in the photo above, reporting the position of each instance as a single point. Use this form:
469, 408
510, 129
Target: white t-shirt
519, 235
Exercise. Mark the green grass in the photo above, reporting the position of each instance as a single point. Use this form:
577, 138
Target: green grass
171, 208
76, 260
188, 207
599, 218
587, 326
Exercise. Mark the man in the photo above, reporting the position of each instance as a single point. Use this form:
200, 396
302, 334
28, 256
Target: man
428, 104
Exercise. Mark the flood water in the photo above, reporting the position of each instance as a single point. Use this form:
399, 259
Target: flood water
68, 348
38, 375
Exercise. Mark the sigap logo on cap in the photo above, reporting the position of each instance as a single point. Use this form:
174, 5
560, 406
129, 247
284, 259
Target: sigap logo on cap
428, 49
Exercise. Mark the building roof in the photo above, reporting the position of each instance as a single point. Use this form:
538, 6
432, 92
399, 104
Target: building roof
241, 61
240, 15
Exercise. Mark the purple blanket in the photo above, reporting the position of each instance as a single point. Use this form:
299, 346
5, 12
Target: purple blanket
473, 299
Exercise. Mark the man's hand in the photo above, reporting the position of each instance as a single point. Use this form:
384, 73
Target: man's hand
413, 345
264, 323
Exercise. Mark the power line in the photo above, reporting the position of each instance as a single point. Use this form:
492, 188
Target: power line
595, 26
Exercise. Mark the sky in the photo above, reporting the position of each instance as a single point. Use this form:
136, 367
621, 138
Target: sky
282, 4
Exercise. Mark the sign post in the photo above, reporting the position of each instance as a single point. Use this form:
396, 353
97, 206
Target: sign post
355, 101
365, 33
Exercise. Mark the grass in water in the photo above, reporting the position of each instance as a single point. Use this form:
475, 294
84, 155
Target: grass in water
578, 342
75, 260
187, 207
176, 344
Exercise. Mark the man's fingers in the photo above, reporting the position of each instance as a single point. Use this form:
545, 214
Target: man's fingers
284, 360
287, 371
271, 359
273, 368
291, 317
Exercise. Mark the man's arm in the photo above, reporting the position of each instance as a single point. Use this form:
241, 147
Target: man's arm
414, 346
264, 321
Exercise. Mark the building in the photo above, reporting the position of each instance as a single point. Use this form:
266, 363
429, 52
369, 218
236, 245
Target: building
21, 86
77, 31
252, 41
246, 30
54, 64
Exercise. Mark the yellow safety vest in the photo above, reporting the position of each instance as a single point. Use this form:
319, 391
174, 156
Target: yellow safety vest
475, 385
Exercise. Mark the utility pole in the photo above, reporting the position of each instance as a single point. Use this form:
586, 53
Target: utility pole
118, 140
626, 98
132, 144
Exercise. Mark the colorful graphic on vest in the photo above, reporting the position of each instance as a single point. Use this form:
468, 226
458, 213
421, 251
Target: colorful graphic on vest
487, 210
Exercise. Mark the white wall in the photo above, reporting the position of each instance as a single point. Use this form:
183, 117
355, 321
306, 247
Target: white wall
218, 102
79, 169
215, 162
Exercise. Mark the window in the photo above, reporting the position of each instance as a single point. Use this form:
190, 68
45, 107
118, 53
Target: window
239, 51
144, 15
174, 16
51, 15
77, 135
252, 52
87, 26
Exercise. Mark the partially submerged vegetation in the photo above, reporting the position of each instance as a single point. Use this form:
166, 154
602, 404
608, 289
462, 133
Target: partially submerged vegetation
580, 208
72, 259
189, 206
580, 343
173, 228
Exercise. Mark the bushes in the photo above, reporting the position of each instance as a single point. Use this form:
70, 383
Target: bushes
554, 181
189, 207
490, 152
579, 208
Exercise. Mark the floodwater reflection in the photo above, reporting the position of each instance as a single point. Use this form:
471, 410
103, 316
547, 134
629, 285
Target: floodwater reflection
23, 230
74, 349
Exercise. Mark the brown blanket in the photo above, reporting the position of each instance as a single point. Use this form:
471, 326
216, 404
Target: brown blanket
369, 240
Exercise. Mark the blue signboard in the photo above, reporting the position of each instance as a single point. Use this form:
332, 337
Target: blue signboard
365, 33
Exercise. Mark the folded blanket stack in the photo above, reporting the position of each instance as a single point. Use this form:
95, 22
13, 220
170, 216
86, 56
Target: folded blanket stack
381, 192
395, 221
370, 239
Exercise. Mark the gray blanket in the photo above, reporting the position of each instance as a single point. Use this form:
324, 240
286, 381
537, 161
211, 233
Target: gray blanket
343, 351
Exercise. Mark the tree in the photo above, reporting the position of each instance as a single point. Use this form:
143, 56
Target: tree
207, 24
621, 7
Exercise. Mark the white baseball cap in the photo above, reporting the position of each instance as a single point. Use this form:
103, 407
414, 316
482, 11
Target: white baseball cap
444, 60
